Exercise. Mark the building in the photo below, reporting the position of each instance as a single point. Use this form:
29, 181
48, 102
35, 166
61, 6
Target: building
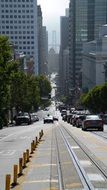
40, 39
64, 41
53, 61
44, 65
85, 19
94, 68
18, 21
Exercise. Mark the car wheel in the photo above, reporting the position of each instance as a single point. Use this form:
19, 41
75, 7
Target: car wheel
101, 129
84, 129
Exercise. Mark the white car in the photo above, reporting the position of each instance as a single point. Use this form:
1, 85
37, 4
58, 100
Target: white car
48, 119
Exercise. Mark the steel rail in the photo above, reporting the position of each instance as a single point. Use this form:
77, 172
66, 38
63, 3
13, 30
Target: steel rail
61, 185
84, 178
86, 152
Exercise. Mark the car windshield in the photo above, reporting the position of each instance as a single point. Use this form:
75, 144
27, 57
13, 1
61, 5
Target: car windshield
93, 117
82, 117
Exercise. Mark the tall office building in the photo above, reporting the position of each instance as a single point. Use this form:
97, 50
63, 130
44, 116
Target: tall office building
44, 66
40, 40
85, 18
18, 21
63, 66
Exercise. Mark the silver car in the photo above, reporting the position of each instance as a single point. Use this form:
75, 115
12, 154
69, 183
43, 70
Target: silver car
93, 122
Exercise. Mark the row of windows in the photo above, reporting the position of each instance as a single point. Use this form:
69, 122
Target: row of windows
24, 47
23, 21
16, 11
19, 32
16, 27
16, 1
17, 6
24, 42
17, 16
28, 53
22, 37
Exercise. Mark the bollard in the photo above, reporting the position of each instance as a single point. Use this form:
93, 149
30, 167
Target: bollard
31, 148
15, 175
24, 159
42, 132
39, 136
33, 143
36, 141
27, 155
20, 166
7, 184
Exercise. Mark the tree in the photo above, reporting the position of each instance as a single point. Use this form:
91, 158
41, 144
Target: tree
6, 67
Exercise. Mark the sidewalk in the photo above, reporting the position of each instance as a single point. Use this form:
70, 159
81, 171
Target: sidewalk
38, 174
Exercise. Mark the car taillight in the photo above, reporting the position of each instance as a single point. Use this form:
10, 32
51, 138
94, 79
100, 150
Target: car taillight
101, 122
87, 122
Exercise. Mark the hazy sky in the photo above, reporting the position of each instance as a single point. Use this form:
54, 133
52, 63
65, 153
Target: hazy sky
52, 10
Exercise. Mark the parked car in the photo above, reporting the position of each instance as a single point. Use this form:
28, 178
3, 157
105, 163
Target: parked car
93, 122
104, 118
55, 118
34, 117
63, 112
23, 117
79, 120
74, 119
48, 119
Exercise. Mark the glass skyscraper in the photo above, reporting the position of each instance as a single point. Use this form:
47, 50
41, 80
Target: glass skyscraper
85, 19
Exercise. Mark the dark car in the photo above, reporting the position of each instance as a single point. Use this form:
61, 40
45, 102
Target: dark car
55, 118
93, 122
63, 112
104, 118
23, 117
79, 120
69, 117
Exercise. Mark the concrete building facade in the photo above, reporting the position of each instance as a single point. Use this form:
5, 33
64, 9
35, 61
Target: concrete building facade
94, 68
85, 19
18, 21
64, 39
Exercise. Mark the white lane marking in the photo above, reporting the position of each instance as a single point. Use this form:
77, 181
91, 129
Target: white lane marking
75, 147
1, 152
25, 137
95, 177
42, 181
85, 163
8, 152
6, 137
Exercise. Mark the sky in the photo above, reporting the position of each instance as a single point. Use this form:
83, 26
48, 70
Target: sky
52, 10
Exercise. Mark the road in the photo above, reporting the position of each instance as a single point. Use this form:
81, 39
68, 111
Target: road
65, 146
